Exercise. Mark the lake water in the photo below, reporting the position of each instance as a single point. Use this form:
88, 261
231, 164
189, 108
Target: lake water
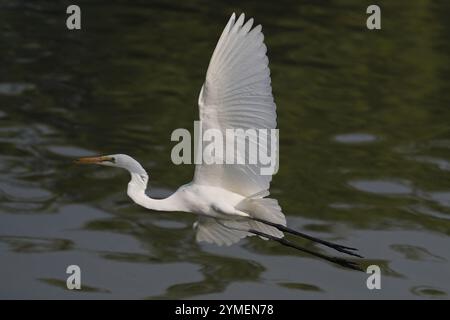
364, 135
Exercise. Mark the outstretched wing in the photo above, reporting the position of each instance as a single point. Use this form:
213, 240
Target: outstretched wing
237, 94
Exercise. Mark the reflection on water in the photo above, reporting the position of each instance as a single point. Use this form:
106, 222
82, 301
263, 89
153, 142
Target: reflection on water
365, 149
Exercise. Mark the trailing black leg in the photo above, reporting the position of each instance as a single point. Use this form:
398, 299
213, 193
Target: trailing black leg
335, 246
340, 261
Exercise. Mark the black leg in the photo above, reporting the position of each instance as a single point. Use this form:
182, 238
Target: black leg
332, 245
340, 261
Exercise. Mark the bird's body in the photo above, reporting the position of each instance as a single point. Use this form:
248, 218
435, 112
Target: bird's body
215, 204
208, 201
230, 199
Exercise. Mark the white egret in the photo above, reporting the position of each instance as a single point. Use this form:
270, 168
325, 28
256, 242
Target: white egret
230, 200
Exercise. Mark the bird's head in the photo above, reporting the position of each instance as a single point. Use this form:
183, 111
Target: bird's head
115, 160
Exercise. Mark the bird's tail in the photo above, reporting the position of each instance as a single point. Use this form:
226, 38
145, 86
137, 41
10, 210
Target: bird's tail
264, 209
221, 231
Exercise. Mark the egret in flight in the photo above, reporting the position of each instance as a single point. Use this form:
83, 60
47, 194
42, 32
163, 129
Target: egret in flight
230, 199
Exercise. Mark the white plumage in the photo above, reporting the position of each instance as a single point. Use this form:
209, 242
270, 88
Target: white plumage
237, 94
230, 199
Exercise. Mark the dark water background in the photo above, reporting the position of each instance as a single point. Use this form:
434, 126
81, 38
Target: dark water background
365, 148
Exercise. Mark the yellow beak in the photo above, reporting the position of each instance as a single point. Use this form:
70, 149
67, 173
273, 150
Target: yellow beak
91, 160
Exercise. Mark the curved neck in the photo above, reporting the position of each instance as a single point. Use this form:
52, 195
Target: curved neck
136, 191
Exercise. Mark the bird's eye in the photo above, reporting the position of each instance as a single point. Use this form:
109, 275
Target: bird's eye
113, 160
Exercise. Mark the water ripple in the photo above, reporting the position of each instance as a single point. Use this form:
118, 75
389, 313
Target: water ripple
382, 187
14, 89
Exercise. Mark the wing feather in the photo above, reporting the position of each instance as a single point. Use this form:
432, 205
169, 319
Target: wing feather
237, 94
